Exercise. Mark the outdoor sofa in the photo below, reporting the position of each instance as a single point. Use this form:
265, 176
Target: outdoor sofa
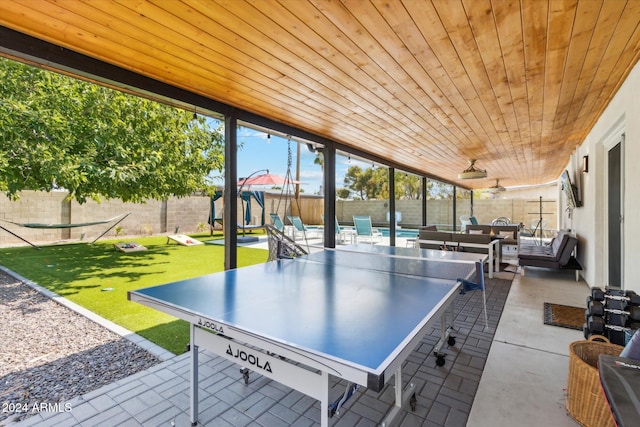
509, 236
557, 255
462, 242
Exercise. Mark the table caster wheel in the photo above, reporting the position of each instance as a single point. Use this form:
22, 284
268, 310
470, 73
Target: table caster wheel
451, 341
245, 375
412, 402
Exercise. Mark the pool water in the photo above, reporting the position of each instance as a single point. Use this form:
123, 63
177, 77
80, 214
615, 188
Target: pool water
400, 232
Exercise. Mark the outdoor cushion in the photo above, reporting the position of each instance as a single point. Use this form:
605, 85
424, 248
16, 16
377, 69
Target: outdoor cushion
475, 231
472, 238
486, 229
565, 255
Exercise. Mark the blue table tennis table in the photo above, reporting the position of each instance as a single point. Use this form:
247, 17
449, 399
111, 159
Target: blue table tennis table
354, 315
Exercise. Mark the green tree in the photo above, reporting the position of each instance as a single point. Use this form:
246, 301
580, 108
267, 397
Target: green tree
361, 182
407, 187
343, 193
58, 132
439, 190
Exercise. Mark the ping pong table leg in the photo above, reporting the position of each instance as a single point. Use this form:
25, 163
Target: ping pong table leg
402, 396
398, 382
324, 403
451, 340
194, 377
445, 334
491, 261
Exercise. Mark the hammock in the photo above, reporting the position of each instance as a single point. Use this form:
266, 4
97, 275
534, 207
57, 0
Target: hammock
82, 224
119, 219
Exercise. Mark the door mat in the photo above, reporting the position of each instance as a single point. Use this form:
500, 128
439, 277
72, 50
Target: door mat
563, 316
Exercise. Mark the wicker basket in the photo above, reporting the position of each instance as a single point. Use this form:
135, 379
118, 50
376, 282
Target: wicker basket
586, 402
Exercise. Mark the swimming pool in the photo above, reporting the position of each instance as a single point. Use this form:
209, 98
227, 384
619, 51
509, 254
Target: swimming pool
400, 232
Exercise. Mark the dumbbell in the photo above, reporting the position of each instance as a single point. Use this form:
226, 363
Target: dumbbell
587, 332
615, 294
598, 325
594, 308
616, 336
614, 307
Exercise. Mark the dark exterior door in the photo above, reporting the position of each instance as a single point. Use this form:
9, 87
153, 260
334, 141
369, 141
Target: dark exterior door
614, 189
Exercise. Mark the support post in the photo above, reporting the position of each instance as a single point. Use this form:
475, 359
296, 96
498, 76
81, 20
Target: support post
392, 207
230, 214
424, 201
329, 190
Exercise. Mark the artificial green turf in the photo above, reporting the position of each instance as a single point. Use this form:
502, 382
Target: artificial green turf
98, 277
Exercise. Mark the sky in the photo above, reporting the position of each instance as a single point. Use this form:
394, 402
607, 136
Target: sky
256, 152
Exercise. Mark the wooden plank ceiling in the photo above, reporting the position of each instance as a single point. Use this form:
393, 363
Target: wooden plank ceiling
516, 84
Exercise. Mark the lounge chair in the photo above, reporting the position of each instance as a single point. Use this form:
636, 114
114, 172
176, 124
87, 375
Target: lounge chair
299, 227
343, 232
277, 221
464, 221
364, 229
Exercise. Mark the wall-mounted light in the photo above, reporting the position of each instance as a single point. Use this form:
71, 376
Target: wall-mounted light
585, 164
195, 115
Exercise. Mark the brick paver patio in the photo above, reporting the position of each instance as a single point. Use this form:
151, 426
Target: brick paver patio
160, 396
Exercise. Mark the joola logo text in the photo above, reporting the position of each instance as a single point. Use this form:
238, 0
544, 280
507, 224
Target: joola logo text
210, 325
248, 357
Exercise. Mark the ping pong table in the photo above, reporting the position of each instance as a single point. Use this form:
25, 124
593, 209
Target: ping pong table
354, 315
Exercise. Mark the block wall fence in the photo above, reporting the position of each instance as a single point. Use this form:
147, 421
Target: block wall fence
190, 214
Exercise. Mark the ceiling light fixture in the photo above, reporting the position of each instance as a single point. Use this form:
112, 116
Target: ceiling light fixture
497, 188
471, 172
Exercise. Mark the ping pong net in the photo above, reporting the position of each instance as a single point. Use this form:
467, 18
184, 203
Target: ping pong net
399, 264
470, 274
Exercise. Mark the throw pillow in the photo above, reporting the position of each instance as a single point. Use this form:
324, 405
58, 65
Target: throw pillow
506, 234
475, 231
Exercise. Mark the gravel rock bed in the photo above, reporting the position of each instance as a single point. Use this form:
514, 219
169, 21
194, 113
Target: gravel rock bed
50, 354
